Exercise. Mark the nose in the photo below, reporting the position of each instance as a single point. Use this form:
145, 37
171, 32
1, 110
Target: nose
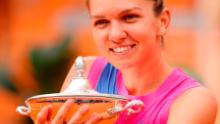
117, 33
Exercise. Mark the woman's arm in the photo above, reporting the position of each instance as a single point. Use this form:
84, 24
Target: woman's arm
196, 106
88, 62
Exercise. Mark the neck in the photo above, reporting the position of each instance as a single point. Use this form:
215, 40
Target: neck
145, 78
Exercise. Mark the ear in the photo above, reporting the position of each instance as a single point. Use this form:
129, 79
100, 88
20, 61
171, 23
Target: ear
164, 21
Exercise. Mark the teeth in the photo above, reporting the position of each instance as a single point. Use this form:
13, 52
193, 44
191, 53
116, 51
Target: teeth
121, 49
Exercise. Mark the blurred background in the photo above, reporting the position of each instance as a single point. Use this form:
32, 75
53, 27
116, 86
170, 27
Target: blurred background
39, 40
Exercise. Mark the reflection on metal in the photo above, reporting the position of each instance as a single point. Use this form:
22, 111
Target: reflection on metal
79, 84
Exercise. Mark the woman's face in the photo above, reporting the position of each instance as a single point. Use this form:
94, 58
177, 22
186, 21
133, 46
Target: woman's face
126, 32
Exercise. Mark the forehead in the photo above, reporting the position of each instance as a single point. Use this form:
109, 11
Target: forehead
112, 6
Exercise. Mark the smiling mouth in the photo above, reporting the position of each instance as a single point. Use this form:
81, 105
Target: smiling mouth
122, 49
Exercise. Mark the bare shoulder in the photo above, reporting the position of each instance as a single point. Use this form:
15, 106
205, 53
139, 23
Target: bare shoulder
88, 62
195, 106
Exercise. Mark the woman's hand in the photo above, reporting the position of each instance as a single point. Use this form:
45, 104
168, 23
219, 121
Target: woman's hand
44, 116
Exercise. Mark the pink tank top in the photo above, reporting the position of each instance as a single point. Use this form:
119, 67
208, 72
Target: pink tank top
157, 103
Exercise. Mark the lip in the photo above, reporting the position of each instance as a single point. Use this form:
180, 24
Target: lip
122, 49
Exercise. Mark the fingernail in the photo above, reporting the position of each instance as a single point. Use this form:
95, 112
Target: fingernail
69, 101
95, 117
84, 108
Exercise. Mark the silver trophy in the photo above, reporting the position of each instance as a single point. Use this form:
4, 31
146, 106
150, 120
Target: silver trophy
80, 91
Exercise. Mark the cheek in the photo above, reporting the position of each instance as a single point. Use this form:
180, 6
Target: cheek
144, 32
142, 35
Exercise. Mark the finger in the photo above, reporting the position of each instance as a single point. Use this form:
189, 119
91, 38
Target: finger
79, 113
49, 115
95, 118
43, 115
62, 112
106, 115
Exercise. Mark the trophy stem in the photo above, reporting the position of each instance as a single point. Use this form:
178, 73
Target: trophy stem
79, 83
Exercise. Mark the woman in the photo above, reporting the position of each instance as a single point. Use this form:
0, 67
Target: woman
129, 34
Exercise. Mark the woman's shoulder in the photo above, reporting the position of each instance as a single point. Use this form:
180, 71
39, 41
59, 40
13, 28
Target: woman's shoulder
195, 106
88, 63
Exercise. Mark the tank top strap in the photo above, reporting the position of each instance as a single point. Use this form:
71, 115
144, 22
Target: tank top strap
103, 76
96, 70
107, 81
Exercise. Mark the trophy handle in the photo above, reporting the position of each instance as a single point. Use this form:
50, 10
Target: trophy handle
132, 107
23, 110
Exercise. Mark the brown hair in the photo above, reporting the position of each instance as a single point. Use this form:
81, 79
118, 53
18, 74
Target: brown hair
158, 6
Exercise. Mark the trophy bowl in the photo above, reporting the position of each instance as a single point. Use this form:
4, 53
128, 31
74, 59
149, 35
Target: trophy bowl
108, 105
80, 91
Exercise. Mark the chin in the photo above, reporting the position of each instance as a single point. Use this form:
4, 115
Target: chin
122, 64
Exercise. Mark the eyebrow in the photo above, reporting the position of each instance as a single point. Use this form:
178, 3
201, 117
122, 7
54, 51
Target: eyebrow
130, 9
121, 13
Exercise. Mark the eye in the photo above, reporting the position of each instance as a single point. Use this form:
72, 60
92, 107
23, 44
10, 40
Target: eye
101, 23
130, 17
